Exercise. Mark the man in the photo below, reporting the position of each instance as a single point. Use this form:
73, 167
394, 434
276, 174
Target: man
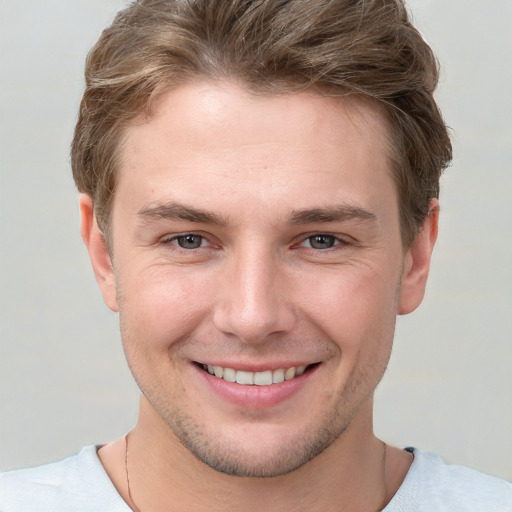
259, 201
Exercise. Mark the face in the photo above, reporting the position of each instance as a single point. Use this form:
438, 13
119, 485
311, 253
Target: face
257, 269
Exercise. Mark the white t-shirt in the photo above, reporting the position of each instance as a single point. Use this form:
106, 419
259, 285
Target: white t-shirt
80, 484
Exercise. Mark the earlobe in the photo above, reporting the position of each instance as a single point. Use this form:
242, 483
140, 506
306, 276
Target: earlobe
417, 263
98, 253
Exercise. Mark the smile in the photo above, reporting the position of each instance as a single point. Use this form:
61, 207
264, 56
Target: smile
264, 378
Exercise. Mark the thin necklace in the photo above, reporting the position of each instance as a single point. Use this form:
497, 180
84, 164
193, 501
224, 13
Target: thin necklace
136, 509
133, 506
384, 476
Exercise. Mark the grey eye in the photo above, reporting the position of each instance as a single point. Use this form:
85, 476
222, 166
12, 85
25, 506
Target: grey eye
190, 241
322, 241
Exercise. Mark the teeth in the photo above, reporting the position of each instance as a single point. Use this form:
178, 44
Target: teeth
278, 376
289, 374
244, 377
255, 378
263, 378
229, 375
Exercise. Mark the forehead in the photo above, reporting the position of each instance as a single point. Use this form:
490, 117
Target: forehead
199, 108
205, 139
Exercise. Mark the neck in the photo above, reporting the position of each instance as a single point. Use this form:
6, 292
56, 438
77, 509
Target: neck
353, 474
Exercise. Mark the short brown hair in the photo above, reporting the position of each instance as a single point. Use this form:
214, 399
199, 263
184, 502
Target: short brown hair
338, 47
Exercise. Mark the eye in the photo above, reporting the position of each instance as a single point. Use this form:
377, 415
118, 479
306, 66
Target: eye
321, 241
189, 241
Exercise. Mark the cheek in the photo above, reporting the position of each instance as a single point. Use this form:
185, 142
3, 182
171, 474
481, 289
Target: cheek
159, 306
356, 308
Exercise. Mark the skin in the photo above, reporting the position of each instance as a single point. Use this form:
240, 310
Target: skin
257, 291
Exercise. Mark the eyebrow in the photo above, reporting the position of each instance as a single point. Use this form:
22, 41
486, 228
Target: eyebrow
331, 214
179, 211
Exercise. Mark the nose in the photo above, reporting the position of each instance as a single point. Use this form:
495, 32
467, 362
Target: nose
252, 303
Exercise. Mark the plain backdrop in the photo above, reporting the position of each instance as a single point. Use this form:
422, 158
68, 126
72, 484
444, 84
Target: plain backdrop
63, 379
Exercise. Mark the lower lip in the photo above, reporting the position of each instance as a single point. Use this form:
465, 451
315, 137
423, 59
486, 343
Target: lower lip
256, 397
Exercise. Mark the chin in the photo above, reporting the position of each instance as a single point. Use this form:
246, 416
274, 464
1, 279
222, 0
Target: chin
270, 453
242, 463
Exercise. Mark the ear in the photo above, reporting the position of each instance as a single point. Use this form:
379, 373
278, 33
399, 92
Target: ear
98, 253
417, 263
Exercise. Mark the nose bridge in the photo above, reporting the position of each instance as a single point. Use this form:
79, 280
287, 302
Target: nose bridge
252, 304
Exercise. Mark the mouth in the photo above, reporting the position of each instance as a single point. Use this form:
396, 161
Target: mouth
261, 378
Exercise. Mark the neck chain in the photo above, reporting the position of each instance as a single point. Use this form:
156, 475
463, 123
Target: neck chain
132, 503
136, 509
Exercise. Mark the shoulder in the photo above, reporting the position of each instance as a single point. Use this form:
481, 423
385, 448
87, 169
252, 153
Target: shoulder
432, 484
78, 483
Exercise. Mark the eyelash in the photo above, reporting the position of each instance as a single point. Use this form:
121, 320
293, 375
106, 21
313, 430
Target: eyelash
174, 238
337, 241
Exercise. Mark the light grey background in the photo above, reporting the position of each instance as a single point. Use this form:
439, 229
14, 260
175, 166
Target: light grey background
63, 380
